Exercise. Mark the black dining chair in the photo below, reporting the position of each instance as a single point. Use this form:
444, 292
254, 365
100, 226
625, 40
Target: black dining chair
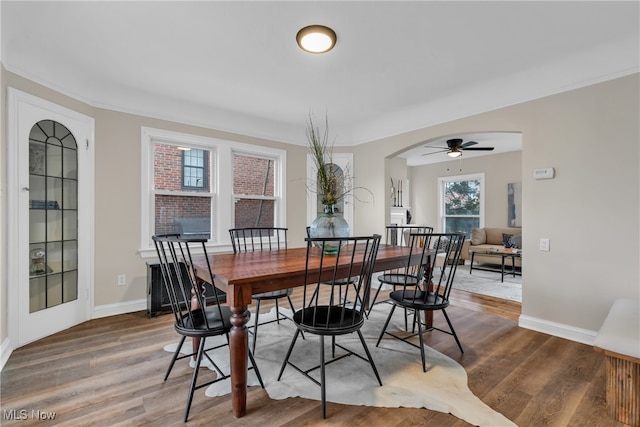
344, 282
255, 239
431, 293
194, 318
324, 312
400, 235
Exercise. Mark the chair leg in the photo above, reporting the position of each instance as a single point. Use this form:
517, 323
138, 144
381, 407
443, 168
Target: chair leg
393, 307
421, 339
286, 358
373, 301
175, 356
255, 327
366, 349
194, 379
323, 394
277, 312
255, 368
333, 346
453, 332
293, 310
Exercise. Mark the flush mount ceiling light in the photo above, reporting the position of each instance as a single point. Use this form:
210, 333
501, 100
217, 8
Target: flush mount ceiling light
316, 39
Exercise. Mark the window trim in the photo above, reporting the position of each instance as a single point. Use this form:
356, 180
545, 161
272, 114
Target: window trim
222, 152
456, 178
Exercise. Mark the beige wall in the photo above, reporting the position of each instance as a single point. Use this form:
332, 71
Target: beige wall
592, 204
499, 170
118, 212
590, 211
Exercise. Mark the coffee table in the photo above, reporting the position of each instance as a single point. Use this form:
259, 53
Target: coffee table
503, 254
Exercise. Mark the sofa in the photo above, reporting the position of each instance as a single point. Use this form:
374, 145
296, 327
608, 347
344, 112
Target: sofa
487, 238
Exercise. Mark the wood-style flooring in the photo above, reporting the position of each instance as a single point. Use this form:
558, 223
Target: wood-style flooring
108, 372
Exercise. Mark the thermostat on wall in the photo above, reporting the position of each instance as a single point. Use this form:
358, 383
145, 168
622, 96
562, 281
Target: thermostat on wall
545, 173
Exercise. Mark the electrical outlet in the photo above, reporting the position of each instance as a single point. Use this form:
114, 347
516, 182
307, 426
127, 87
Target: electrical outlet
122, 279
544, 245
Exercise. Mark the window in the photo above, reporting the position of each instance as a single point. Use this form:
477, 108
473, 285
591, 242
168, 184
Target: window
199, 186
461, 203
195, 172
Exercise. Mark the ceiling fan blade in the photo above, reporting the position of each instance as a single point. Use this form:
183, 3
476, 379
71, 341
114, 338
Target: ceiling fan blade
436, 152
468, 144
435, 147
478, 148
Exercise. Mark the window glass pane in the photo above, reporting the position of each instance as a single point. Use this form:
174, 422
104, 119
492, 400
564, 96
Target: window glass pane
37, 294
69, 164
253, 176
54, 225
70, 192
254, 213
54, 256
175, 172
186, 215
70, 255
54, 290
70, 221
462, 198
54, 160
70, 289
461, 225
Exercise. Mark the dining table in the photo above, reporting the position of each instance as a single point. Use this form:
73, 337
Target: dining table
241, 275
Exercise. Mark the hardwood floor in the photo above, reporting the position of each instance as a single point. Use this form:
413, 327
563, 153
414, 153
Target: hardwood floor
108, 372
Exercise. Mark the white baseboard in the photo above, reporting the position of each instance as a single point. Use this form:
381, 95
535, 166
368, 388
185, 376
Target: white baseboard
5, 351
120, 308
560, 330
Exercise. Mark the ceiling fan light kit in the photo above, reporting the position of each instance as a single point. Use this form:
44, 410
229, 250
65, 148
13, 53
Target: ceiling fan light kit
316, 39
454, 152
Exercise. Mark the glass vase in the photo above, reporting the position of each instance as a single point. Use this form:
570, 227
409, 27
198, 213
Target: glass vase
330, 223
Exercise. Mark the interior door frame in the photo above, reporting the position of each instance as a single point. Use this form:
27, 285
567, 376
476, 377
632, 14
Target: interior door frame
25, 110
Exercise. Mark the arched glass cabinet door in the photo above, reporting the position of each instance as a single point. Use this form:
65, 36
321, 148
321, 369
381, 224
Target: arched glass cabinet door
53, 216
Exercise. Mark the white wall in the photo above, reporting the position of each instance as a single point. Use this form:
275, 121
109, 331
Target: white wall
590, 211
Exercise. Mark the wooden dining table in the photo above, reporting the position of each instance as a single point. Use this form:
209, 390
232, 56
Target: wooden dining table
241, 275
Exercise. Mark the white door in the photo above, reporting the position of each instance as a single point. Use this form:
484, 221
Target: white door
345, 162
50, 198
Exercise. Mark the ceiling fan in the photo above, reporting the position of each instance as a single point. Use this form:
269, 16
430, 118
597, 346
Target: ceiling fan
455, 147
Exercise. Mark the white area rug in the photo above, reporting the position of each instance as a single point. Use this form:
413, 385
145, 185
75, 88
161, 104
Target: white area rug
488, 283
351, 381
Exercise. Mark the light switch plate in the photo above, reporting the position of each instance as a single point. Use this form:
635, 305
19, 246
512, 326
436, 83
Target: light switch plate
544, 244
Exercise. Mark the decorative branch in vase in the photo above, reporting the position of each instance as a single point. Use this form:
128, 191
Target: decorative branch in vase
332, 185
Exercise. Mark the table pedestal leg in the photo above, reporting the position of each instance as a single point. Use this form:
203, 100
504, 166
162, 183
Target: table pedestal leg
238, 353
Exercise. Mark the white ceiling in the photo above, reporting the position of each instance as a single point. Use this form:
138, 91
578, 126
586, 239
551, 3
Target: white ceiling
397, 66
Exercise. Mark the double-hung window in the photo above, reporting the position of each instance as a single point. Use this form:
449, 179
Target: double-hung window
198, 186
461, 203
